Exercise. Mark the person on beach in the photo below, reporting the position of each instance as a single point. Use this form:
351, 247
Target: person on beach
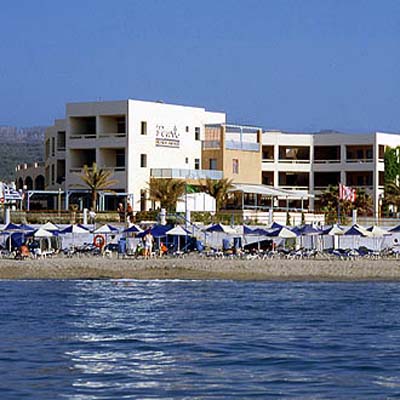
121, 212
163, 249
129, 213
148, 244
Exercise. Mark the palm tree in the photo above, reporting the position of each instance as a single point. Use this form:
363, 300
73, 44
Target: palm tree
392, 193
330, 200
166, 191
218, 189
363, 203
97, 180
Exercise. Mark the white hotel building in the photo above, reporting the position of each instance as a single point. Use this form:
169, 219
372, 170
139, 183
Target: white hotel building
313, 161
136, 140
139, 140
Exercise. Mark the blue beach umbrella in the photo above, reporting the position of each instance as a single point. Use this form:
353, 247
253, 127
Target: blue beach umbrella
220, 228
283, 233
26, 227
75, 228
133, 229
395, 229
11, 227
307, 230
158, 231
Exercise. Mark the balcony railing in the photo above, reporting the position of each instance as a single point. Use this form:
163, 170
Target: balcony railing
285, 161
237, 145
326, 161
83, 136
211, 144
112, 135
178, 173
359, 160
293, 187
112, 169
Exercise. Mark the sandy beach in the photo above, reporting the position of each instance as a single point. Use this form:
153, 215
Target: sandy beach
200, 268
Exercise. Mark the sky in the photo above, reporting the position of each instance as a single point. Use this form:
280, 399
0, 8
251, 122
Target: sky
295, 65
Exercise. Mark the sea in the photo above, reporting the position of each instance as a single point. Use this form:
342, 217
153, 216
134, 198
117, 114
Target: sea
129, 339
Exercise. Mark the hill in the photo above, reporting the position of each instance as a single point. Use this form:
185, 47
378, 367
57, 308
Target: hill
19, 145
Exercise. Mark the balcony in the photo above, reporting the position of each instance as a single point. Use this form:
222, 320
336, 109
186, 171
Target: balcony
294, 154
326, 161
118, 174
246, 146
177, 173
359, 160
211, 145
359, 154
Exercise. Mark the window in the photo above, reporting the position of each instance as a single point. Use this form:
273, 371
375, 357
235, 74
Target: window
197, 163
235, 166
121, 126
213, 163
47, 148
143, 199
53, 146
197, 133
120, 158
187, 129
143, 128
61, 140
143, 160
187, 160
53, 174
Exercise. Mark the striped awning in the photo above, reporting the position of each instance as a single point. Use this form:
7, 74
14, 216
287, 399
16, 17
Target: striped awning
270, 191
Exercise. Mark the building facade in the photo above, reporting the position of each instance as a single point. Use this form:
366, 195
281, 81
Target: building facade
313, 161
139, 140
135, 140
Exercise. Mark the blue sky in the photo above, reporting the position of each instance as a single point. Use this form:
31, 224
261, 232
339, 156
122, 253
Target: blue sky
284, 64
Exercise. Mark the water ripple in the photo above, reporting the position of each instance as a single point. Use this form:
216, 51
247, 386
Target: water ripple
87, 340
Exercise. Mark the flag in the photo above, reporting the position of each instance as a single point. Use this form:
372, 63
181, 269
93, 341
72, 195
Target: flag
347, 193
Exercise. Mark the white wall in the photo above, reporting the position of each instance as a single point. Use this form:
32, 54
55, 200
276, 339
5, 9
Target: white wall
163, 117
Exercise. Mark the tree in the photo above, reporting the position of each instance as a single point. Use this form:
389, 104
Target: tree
166, 191
330, 200
363, 203
218, 189
97, 180
391, 179
392, 193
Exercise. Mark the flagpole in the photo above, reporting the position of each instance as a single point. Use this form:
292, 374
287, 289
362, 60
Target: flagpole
339, 197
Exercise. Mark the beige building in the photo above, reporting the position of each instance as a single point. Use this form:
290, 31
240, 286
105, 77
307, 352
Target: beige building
235, 150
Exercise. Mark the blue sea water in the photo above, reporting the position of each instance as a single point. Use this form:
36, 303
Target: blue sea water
199, 339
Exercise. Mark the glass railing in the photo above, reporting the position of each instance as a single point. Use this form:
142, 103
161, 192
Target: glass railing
178, 173
211, 144
237, 145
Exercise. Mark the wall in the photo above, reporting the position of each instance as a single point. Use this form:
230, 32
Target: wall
172, 119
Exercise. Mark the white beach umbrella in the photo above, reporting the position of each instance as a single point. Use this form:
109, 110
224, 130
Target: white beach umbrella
49, 226
378, 231
178, 231
42, 233
106, 229
283, 233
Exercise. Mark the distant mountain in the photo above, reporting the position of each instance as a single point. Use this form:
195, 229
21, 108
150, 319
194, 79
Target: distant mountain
19, 145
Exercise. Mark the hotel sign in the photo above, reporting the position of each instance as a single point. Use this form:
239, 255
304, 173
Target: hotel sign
167, 137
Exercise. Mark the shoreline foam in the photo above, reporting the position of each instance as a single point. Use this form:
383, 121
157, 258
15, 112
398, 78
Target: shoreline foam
201, 268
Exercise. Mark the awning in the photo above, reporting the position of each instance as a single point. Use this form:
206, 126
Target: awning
270, 191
